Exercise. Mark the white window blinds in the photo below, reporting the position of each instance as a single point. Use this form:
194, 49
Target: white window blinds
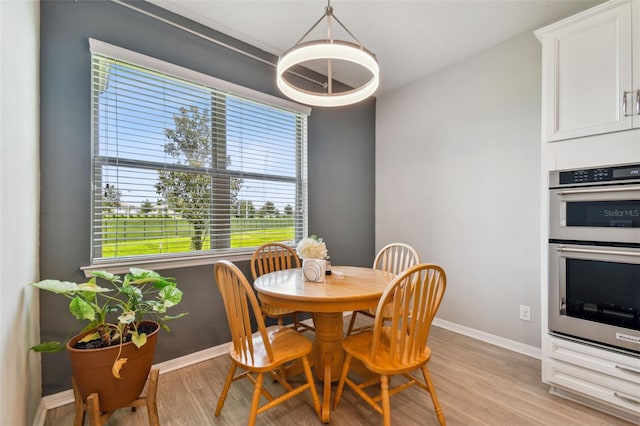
182, 167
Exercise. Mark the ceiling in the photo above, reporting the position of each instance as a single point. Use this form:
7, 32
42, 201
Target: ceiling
411, 39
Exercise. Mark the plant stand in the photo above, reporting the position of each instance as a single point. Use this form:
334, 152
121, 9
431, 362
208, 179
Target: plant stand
99, 418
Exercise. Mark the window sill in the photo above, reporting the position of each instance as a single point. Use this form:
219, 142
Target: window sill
158, 264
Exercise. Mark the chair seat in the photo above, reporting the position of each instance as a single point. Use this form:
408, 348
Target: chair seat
286, 344
359, 346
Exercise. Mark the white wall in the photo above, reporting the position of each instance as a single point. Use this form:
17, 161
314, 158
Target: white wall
20, 387
458, 177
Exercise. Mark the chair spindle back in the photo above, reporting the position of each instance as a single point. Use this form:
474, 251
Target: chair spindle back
272, 257
396, 257
240, 303
412, 299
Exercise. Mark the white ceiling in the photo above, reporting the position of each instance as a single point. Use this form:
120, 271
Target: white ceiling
411, 39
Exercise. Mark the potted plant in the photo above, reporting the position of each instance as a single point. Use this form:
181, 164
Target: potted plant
113, 353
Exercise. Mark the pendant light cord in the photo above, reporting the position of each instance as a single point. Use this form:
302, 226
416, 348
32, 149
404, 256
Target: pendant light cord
328, 13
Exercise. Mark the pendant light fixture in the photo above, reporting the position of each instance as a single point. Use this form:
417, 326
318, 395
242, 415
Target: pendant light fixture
329, 50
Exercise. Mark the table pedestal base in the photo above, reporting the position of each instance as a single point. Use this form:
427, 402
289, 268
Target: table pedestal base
328, 355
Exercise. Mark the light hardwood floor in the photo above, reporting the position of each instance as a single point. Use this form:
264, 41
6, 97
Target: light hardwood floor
477, 384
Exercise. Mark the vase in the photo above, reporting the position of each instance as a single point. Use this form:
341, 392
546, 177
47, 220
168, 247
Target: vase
313, 270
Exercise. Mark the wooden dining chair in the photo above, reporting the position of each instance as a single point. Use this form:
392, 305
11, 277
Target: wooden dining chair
398, 346
272, 257
394, 258
264, 352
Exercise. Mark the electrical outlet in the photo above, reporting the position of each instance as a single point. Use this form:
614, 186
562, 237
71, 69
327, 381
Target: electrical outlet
525, 313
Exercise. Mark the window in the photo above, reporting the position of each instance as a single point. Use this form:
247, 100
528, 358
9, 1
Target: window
185, 164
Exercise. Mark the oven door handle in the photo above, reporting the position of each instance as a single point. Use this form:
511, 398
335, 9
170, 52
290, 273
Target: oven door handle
595, 251
627, 398
599, 190
627, 369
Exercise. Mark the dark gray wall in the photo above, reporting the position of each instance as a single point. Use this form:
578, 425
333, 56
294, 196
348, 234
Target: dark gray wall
341, 164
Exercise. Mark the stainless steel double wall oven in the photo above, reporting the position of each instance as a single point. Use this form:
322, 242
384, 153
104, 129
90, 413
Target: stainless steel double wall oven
594, 255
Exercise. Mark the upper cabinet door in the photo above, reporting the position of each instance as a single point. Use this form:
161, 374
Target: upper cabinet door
587, 73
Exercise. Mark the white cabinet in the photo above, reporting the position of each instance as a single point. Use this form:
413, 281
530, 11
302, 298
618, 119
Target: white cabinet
590, 84
635, 14
611, 378
590, 75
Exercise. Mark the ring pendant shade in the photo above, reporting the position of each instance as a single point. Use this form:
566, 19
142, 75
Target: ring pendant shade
329, 50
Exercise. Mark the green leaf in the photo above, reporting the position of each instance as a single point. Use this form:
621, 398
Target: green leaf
172, 317
106, 276
161, 283
127, 317
143, 273
60, 287
170, 295
133, 292
157, 307
48, 347
81, 309
139, 339
91, 287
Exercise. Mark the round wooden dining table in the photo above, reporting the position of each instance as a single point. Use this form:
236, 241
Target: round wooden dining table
348, 288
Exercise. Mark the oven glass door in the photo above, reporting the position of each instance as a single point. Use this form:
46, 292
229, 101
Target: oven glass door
607, 214
602, 291
594, 293
596, 214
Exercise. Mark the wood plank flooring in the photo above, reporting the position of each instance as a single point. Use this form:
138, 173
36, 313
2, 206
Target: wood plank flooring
477, 384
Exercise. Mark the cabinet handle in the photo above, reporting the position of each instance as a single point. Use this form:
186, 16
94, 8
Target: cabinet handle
628, 369
627, 397
638, 101
624, 104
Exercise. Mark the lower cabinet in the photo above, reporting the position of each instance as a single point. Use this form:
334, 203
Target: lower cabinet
607, 377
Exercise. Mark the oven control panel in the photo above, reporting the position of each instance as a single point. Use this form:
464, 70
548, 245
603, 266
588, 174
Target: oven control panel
600, 175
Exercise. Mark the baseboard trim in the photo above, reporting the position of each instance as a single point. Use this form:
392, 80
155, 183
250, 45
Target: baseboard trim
194, 358
512, 345
66, 397
41, 414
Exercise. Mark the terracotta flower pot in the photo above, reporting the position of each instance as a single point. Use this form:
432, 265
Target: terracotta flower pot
92, 371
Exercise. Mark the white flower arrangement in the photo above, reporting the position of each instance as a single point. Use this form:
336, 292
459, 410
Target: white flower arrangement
312, 248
